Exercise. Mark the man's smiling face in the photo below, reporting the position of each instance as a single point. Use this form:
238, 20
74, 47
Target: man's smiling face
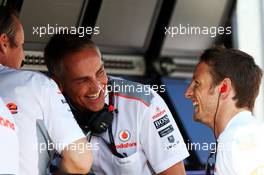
84, 79
203, 94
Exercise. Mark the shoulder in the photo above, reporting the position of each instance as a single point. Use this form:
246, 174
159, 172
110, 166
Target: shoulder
243, 135
132, 90
247, 146
4, 112
24, 77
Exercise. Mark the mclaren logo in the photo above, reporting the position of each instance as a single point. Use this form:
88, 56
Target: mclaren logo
12, 108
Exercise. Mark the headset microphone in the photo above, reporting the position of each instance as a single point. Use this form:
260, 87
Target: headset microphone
214, 151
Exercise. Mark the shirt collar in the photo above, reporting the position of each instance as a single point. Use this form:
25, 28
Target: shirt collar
240, 117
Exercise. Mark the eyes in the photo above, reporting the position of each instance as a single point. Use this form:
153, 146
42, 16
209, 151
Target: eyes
196, 83
101, 72
86, 80
81, 81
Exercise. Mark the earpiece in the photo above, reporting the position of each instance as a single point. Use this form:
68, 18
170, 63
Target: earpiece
223, 88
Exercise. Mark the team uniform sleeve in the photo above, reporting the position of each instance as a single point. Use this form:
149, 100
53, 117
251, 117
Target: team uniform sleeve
161, 139
58, 118
9, 147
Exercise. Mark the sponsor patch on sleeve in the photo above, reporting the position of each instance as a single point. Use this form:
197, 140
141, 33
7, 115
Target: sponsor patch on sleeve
159, 112
171, 139
166, 131
162, 121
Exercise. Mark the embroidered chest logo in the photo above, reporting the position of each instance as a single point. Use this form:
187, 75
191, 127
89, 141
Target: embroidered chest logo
124, 135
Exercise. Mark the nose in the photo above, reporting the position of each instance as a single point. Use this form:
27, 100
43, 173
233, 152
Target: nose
189, 92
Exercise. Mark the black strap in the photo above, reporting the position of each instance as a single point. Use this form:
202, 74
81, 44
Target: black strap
111, 100
112, 145
211, 160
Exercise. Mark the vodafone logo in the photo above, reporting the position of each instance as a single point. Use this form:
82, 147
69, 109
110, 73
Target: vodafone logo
126, 145
124, 135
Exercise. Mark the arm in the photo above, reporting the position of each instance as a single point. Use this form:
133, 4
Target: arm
76, 160
178, 169
65, 133
162, 141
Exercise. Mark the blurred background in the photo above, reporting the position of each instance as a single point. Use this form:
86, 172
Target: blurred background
152, 42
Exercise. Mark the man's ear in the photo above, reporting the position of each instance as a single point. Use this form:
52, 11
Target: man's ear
226, 87
4, 43
57, 80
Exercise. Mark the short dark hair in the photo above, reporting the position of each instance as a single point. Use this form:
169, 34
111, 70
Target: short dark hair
238, 66
61, 45
7, 24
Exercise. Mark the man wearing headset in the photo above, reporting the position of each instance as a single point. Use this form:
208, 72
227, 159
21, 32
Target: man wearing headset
140, 135
223, 90
42, 117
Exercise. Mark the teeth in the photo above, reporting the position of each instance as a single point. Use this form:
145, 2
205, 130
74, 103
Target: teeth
195, 104
94, 96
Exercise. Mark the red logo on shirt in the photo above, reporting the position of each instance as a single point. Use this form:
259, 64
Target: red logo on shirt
12, 108
124, 135
7, 123
126, 145
159, 113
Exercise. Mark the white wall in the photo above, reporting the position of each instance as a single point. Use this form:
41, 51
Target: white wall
248, 36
